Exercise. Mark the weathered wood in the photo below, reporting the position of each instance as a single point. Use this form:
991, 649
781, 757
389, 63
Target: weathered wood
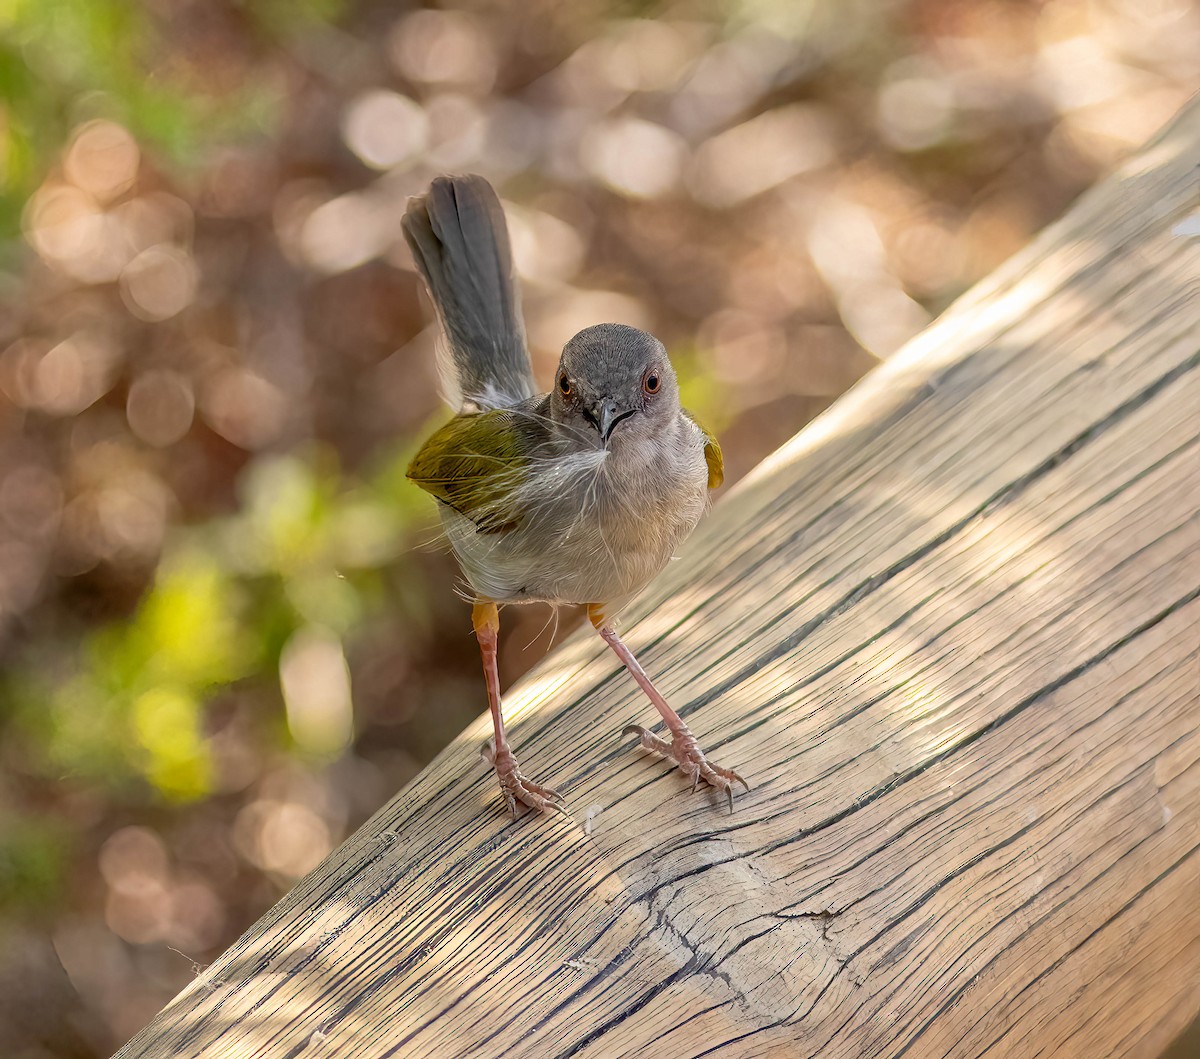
950, 634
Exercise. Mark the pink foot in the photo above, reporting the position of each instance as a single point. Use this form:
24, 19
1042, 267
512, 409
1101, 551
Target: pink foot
686, 753
516, 787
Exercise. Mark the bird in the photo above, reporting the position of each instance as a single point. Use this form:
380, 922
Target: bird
579, 495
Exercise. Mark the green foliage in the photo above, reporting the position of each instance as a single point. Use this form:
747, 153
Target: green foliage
132, 702
285, 17
33, 854
64, 62
306, 549
699, 392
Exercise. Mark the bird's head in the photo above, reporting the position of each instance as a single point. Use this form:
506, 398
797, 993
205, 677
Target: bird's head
615, 381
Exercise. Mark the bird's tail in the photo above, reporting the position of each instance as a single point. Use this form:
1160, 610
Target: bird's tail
460, 243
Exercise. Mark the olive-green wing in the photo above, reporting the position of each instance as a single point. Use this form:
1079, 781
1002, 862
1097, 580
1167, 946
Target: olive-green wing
475, 464
712, 453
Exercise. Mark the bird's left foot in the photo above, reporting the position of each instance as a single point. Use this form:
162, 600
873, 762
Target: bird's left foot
686, 753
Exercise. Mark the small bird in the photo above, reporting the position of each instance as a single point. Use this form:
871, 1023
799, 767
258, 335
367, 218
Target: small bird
579, 495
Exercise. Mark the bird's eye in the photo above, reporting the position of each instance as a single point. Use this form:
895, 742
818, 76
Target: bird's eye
652, 383
564, 384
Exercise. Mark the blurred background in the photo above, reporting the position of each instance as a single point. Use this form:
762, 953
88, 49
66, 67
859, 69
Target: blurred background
227, 634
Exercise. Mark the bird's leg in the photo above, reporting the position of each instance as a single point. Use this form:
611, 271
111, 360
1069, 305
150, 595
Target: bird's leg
683, 748
513, 785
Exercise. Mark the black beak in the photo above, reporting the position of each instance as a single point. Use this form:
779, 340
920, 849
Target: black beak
606, 418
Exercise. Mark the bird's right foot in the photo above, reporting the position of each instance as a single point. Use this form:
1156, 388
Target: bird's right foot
516, 787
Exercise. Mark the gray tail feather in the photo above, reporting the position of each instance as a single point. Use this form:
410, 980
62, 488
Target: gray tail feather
460, 243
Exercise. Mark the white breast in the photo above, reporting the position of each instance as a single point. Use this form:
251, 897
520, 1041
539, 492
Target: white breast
600, 537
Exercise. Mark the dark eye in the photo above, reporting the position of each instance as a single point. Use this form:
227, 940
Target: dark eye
652, 383
564, 384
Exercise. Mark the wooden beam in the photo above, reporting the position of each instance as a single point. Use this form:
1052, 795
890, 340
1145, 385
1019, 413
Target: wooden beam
949, 633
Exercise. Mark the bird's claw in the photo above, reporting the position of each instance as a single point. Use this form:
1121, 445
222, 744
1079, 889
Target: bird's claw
516, 787
686, 753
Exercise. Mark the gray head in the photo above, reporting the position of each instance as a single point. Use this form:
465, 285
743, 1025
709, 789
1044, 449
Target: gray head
615, 381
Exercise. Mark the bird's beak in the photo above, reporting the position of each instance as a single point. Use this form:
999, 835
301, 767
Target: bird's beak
608, 415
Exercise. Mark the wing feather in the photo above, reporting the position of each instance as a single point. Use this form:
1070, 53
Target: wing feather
477, 463
712, 453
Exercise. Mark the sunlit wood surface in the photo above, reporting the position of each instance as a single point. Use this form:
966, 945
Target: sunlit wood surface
949, 633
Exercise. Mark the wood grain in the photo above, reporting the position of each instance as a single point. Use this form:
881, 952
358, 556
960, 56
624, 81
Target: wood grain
949, 633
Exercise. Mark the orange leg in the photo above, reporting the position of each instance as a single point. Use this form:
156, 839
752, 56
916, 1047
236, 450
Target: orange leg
683, 748
513, 785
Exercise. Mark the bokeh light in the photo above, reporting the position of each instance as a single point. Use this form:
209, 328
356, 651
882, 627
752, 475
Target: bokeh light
315, 680
385, 128
634, 157
444, 48
159, 283
102, 160
159, 406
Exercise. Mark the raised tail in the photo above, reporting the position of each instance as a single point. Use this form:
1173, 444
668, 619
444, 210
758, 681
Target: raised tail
460, 243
